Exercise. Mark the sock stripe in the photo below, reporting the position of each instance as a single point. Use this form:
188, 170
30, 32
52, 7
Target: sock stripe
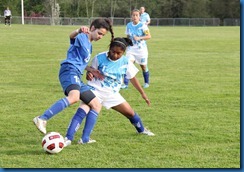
66, 101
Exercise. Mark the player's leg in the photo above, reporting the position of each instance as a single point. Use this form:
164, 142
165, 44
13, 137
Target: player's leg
125, 109
91, 120
9, 20
145, 73
88, 98
75, 123
142, 59
70, 82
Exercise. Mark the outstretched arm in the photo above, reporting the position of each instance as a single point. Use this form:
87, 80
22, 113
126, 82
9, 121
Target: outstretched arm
137, 85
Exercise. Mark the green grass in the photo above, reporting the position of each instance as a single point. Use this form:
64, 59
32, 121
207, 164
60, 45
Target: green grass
195, 95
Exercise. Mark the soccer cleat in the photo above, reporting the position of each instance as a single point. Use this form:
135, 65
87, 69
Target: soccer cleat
124, 86
90, 141
147, 132
67, 142
146, 85
40, 124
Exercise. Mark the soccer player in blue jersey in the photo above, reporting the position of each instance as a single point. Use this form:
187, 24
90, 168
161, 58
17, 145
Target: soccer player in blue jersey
72, 68
138, 32
113, 65
145, 17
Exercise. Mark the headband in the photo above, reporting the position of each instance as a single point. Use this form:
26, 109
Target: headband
121, 43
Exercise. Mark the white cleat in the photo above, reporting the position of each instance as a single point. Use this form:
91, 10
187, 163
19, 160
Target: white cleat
146, 85
67, 142
90, 141
40, 124
147, 132
123, 86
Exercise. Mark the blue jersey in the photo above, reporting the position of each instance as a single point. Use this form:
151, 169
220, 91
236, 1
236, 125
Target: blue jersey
144, 17
79, 52
138, 30
113, 71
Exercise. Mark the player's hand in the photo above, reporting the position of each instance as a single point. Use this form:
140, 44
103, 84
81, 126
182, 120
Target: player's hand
89, 76
144, 96
96, 73
84, 29
136, 38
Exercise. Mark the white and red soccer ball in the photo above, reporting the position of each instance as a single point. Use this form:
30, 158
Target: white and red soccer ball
53, 142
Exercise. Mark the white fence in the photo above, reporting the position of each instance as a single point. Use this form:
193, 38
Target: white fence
123, 21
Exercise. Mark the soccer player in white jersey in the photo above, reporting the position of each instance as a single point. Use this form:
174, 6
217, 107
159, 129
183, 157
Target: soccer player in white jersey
144, 18
138, 32
113, 65
7, 16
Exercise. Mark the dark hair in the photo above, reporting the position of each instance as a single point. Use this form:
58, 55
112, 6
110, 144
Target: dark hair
103, 23
121, 42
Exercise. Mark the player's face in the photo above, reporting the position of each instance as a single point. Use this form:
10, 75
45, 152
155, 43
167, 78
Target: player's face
98, 33
135, 17
115, 53
142, 10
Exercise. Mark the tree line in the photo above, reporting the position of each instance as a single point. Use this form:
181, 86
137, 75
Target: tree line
122, 8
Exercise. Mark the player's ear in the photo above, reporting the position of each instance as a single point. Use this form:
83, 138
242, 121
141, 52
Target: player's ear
92, 28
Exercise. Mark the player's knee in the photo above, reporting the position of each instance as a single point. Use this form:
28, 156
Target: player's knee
95, 105
73, 98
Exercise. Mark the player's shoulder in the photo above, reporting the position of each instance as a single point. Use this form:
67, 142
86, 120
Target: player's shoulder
102, 55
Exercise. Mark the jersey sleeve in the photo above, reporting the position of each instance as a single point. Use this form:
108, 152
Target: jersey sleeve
94, 63
127, 29
131, 70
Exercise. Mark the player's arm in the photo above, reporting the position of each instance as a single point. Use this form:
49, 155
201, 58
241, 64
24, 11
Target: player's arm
82, 29
146, 36
137, 85
91, 72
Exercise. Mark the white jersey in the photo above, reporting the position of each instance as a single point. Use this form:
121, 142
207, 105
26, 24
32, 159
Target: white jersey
7, 13
138, 30
113, 71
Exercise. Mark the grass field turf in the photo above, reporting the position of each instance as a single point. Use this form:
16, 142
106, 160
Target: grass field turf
195, 95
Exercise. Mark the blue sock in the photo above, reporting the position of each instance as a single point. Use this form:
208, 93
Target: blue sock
126, 81
136, 121
146, 77
75, 123
55, 108
91, 120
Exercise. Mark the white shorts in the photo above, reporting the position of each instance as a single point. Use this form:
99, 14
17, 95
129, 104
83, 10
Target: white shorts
140, 56
107, 100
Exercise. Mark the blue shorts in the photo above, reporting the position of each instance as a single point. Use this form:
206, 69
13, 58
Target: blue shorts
69, 76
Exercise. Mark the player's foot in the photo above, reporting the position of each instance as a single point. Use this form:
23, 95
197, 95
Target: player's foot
67, 142
124, 86
147, 132
146, 85
40, 124
90, 141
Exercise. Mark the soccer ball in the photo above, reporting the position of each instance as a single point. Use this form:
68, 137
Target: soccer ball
53, 142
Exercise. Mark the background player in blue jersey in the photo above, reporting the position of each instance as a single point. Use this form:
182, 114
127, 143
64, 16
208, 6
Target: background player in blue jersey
78, 56
145, 17
113, 65
138, 33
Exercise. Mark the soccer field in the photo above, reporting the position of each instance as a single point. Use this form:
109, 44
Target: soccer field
194, 93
